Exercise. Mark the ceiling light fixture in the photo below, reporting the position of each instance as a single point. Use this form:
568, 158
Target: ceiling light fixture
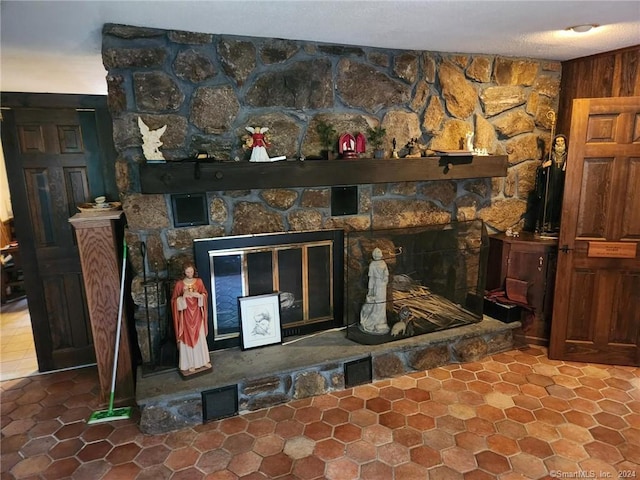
582, 28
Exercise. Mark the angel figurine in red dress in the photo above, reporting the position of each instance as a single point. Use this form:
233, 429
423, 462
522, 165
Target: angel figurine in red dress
259, 144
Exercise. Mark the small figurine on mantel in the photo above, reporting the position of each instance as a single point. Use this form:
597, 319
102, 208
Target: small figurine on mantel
189, 308
413, 147
373, 315
350, 146
468, 139
258, 142
394, 153
151, 141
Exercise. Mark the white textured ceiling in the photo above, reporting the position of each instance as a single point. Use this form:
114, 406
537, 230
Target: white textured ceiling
54, 46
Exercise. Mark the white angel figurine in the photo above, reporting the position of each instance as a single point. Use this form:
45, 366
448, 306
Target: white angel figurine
469, 141
259, 144
151, 141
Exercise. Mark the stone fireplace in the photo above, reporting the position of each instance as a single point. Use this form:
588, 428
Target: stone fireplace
207, 88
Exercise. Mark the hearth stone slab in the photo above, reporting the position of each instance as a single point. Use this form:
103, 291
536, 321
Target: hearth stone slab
307, 366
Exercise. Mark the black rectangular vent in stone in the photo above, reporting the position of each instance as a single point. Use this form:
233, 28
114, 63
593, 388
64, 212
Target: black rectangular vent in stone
344, 200
189, 209
357, 372
219, 403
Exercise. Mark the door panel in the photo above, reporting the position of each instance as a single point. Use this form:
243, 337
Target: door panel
593, 208
64, 296
77, 186
631, 215
624, 326
31, 139
36, 182
580, 307
596, 315
70, 139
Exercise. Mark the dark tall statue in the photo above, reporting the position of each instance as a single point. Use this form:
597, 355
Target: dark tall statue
550, 187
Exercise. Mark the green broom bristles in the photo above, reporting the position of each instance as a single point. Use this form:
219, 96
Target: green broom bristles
111, 414
123, 413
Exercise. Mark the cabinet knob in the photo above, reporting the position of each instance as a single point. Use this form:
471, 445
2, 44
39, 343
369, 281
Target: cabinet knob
540, 263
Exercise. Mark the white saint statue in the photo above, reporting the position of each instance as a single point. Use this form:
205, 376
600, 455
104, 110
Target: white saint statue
373, 315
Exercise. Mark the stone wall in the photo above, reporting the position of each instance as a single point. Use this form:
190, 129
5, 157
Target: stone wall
208, 88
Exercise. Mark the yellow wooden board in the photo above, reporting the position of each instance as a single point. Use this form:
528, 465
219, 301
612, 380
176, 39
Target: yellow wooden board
612, 249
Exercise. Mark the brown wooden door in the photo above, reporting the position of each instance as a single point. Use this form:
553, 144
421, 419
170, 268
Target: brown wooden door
50, 155
596, 315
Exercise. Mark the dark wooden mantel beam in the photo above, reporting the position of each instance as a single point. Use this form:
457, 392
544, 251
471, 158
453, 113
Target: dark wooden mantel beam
193, 177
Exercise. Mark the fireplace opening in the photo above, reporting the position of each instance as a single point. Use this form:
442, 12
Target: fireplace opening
436, 278
306, 268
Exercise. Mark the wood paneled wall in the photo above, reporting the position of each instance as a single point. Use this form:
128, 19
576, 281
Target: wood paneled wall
610, 74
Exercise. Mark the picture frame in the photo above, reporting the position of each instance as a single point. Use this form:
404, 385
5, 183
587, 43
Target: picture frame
260, 320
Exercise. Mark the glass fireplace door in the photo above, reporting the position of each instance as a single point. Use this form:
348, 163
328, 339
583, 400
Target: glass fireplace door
302, 273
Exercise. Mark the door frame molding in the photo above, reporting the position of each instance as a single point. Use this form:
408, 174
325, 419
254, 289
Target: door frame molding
52, 100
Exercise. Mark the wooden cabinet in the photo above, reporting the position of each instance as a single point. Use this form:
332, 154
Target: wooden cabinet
531, 259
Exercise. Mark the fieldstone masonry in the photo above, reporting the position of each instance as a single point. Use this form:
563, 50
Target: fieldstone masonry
207, 88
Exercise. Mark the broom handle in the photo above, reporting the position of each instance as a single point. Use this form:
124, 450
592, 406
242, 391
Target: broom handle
119, 326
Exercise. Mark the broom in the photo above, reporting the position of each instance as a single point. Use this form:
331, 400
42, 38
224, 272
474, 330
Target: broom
124, 412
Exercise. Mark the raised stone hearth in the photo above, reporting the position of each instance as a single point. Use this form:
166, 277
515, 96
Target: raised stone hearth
308, 366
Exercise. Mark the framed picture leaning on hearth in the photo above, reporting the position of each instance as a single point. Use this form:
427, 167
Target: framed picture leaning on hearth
260, 320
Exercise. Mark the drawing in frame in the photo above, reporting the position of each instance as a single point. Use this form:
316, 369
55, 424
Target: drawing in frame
260, 320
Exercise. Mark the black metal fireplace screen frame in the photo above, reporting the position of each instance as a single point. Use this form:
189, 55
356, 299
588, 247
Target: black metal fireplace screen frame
437, 276
306, 267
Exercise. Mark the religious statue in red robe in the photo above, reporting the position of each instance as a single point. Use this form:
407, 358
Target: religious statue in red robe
189, 307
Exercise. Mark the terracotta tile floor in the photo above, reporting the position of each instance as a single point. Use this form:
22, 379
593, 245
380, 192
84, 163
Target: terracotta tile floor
512, 415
